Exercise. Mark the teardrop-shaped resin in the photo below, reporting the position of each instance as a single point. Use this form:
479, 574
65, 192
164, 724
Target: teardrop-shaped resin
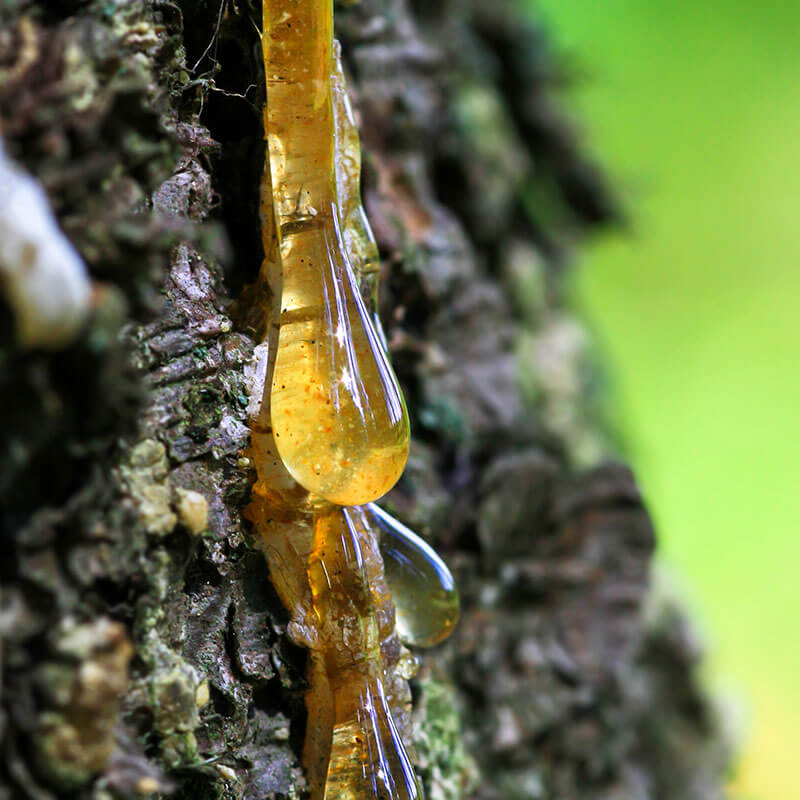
338, 416
423, 590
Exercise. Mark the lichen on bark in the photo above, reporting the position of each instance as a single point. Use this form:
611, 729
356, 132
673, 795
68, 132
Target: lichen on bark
144, 650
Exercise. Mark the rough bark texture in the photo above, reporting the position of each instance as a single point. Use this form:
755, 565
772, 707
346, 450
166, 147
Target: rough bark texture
143, 647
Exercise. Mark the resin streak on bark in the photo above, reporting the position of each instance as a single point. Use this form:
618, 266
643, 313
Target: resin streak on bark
332, 428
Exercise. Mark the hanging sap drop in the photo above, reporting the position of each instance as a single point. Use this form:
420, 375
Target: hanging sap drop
424, 592
338, 416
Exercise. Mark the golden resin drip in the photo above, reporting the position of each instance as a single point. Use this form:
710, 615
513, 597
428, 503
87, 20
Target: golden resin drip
331, 430
338, 416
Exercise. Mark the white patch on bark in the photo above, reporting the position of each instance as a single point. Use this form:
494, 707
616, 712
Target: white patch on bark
42, 276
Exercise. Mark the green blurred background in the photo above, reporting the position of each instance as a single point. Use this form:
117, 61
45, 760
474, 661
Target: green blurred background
693, 106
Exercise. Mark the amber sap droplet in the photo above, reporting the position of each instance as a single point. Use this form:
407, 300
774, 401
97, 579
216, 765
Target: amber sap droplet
423, 590
340, 422
339, 419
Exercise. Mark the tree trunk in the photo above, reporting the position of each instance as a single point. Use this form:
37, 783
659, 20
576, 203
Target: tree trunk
144, 650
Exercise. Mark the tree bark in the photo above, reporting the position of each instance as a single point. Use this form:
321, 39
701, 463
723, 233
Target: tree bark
143, 648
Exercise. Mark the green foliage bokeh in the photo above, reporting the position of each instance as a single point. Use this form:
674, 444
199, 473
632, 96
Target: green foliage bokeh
694, 109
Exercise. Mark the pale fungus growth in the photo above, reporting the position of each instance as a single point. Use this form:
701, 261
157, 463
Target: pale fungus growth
42, 277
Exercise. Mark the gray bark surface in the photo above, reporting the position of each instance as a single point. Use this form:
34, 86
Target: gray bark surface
143, 648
